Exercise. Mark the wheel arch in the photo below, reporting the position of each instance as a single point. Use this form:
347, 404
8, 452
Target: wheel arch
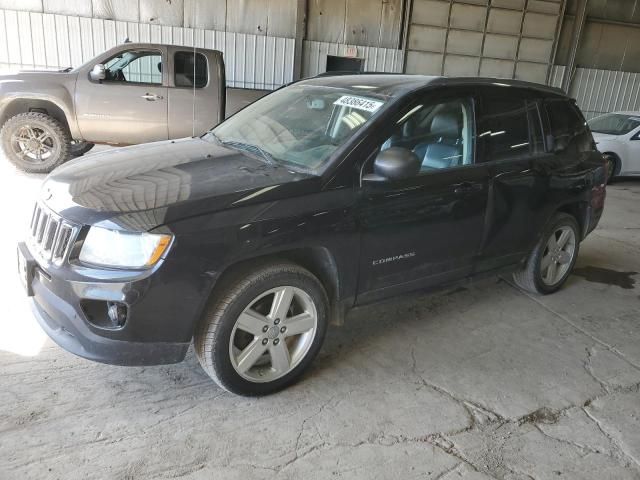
317, 259
26, 105
580, 211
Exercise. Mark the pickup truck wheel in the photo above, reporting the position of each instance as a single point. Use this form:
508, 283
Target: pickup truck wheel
553, 258
79, 148
35, 142
263, 330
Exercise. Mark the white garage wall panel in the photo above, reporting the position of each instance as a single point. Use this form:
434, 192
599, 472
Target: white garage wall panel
501, 38
31, 40
375, 59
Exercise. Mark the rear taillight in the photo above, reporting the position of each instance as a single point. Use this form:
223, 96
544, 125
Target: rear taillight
598, 194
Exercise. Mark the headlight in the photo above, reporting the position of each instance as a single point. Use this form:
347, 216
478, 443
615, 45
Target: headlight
113, 248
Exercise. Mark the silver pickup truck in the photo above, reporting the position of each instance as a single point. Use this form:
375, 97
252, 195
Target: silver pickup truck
132, 93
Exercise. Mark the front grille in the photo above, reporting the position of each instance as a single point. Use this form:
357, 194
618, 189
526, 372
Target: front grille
50, 236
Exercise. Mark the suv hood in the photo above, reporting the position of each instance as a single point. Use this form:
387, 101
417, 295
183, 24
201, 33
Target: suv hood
144, 186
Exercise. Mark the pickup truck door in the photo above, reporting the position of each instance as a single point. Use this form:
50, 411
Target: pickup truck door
130, 105
425, 230
196, 91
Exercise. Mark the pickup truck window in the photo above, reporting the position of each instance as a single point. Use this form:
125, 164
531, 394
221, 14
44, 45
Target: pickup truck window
187, 74
135, 66
301, 125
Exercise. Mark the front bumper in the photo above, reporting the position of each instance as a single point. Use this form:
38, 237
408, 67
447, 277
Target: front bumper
150, 336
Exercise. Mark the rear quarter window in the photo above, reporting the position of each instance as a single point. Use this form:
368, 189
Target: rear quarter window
190, 73
568, 127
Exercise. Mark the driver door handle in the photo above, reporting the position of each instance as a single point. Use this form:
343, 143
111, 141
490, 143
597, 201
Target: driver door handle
151, 97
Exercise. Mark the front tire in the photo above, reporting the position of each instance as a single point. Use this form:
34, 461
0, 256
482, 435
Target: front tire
35, 142
613, 166
553, 258
263, 329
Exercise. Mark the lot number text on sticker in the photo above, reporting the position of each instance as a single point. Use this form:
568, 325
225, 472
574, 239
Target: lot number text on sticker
360, 103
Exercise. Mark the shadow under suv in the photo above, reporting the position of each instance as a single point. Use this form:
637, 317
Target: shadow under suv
329, 193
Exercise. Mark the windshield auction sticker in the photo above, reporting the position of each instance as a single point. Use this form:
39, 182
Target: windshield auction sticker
360, 103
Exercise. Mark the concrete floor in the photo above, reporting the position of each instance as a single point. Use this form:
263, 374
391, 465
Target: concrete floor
476, 383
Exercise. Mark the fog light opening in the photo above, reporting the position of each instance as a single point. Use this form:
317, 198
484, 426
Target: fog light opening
117, 314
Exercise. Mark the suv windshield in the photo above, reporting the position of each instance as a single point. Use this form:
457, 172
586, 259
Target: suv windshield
614, 123
300, 125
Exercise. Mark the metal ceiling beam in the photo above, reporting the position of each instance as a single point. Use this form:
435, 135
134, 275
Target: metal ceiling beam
576, 35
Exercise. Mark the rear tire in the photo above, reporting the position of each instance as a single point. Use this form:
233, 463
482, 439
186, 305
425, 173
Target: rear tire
35, 142
263, 329
553, 258
79, 148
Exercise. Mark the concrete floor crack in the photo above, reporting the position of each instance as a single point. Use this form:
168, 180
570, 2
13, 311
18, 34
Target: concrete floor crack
625, 454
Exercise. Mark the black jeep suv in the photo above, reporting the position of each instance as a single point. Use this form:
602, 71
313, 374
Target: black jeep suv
327, 194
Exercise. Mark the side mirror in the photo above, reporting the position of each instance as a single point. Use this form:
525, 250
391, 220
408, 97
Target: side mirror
394, 163
98, 73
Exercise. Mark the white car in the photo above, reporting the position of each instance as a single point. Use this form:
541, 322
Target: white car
617, 136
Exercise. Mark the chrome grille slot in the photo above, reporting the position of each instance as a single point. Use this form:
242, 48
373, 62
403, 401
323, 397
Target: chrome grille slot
50, 236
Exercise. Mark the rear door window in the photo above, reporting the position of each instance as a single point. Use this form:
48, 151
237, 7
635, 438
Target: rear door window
189, 72
509, 128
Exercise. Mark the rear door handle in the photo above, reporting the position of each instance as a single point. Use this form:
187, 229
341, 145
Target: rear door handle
467, 187
151, 97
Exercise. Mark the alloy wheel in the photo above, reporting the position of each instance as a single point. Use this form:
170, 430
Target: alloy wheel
273, 334
558, 255
33, 144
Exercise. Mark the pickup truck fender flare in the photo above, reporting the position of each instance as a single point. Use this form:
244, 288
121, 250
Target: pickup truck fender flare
13, 103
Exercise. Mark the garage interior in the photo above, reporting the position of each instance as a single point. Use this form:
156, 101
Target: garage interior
479, 382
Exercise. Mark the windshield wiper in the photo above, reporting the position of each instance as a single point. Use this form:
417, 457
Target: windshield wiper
248, 147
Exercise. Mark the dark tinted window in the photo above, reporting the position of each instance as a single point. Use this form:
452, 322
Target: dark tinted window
509, 128
568, 127
187, 74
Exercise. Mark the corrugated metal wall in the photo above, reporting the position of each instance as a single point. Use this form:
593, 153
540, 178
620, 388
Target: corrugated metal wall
600, 91
258, 17
31, 40
375, 59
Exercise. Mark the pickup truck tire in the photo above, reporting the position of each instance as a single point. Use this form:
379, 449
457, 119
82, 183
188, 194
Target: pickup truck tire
35, 142
79, 148
263, 329
553, 258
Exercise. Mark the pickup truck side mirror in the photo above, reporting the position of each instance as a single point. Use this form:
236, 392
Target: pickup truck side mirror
98, 73
394, 163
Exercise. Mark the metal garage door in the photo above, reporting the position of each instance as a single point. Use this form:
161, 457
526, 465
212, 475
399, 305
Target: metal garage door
500, 38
